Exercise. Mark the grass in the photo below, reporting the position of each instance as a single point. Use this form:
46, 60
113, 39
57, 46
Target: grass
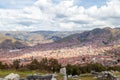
87, 77
23, 74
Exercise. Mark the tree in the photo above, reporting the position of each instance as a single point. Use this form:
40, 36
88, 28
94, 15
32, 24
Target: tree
2, 66
73, 69
16, 64
53, 65
33, 65
69, 69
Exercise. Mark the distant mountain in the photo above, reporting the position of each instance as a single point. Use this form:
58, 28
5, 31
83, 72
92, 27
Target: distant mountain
4, 37
58, 39
9, 44
55, 35
35, 37
99, 37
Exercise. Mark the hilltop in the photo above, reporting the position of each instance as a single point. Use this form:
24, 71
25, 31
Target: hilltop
35, 37
100, 37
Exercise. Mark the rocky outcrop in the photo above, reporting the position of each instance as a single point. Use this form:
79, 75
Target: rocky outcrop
12, 76
105, 75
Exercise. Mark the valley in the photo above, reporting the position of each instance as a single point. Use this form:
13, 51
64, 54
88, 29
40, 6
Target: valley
72, 48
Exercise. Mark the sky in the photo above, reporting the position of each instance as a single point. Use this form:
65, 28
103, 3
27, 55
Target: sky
58, 15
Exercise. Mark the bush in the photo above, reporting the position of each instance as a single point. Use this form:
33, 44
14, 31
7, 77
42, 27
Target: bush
50, 65
3, 66
77, 69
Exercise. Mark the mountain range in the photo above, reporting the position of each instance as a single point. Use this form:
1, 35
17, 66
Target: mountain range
33, 38
98, 37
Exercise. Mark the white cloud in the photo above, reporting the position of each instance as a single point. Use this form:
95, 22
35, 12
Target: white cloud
64, 15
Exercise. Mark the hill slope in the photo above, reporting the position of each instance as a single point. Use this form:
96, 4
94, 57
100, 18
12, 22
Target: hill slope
33, 38
99, 37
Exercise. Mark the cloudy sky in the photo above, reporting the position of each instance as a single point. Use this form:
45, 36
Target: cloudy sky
63, 15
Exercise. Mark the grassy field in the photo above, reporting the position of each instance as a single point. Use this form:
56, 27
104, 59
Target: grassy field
23, 74
85, 77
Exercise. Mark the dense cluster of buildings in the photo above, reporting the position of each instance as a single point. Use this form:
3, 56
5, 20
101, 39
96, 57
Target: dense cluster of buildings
74, 55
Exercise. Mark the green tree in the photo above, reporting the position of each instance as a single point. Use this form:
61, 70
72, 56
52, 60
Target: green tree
44, 64
53, 65
2, 66
16, 64
34, 65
